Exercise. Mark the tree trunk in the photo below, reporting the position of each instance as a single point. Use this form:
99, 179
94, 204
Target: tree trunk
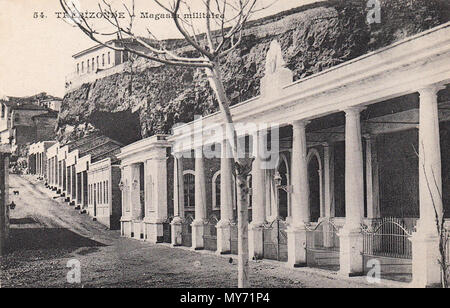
242, 170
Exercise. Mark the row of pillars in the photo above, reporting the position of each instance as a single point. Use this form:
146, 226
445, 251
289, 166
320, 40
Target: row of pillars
426, 270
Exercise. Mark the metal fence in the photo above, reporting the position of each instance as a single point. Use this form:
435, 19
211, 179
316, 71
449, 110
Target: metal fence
186, 231
210, 233
167, 230
275, 240
323, 236
388, 237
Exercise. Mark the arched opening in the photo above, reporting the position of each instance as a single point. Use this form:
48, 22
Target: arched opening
315, 188
189, 190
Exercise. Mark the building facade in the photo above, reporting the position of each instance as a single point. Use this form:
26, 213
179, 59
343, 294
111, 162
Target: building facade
104, 195
37, 158
71, 170
361, 166
4, 198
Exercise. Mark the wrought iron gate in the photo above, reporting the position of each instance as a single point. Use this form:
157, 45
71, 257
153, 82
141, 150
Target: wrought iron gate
210, 233
186, 231
275, 240
322, 245
388, 237
167, 230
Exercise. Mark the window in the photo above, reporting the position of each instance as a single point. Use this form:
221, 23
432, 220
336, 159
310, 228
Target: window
3, 111
88, 66
98, 62
82, 67
104, 192
103, 60
189, 189
107, 191
109, 58
124, 56
93, 64
100, 194
78, 68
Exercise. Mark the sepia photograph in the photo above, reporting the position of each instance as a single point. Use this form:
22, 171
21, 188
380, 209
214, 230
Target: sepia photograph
229, 150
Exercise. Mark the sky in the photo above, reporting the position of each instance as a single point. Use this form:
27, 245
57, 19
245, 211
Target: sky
36, 53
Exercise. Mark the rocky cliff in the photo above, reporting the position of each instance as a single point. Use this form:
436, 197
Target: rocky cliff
143, 101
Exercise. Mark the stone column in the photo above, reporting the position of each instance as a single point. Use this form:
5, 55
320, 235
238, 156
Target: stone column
156, 197
256, 228
425, 242
226, 200
328, 159
372, 181
300, 197
178, 200
125, 220
135, 198
350, 235
198, 224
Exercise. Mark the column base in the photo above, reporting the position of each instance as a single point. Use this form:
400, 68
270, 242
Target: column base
223, 238
426, 269
154, 231
296, 247
255, 242
176, 230
350, 257
125, 227
198, 230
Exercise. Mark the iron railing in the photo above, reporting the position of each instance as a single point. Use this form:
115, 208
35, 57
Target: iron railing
210, 233
323, 236
275, 240
388, 237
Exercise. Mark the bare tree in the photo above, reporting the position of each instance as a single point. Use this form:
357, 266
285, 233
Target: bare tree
223, 27
439, 216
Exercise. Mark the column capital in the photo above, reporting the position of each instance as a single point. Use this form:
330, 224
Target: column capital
432, 89
300, 123
354, 111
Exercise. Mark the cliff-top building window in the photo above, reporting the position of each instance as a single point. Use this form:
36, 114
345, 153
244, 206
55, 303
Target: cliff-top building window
109, 58
78, 68
103, 60
93, 64
82, 67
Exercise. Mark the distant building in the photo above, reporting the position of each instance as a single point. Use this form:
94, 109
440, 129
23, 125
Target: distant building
28, 120
4, 202
53, 104
94, 63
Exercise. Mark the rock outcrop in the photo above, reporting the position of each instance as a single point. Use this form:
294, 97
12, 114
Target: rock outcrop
141, 102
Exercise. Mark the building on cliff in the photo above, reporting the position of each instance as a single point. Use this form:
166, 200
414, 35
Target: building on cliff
27, 120
346, 186
94, 63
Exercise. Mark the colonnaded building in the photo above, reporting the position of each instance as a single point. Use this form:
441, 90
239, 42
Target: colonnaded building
362, 167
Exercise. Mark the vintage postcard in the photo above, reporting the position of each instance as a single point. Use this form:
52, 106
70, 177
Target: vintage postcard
225, 144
